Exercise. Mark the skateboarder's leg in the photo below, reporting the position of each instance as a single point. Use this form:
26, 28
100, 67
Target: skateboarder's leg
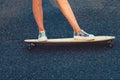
38, 15
68, 13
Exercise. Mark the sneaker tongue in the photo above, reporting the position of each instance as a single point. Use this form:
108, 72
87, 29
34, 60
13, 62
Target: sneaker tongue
84, 32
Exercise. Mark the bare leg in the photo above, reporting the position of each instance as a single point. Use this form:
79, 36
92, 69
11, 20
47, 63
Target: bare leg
68, 13
38, 13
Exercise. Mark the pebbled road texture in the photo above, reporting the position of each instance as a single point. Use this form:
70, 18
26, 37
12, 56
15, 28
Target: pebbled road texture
100, 17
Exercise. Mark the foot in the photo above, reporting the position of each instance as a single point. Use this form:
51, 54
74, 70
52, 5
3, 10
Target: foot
83, 35
42, 36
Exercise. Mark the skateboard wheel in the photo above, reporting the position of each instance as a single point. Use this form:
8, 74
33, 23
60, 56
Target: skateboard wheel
110, 45
31, 46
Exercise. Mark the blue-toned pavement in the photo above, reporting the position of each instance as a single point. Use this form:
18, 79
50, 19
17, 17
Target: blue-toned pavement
99, 17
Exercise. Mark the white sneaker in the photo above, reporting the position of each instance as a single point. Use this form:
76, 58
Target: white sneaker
42, 36
83, 35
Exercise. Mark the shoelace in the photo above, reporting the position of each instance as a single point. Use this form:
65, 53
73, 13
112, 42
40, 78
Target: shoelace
84, 33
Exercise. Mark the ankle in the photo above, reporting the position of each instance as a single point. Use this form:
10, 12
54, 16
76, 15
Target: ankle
41, 31
77, 31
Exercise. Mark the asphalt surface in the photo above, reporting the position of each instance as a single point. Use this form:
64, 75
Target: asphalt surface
100, 17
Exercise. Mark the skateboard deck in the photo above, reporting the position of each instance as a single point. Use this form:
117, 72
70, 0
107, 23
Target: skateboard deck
72, 40
96, 39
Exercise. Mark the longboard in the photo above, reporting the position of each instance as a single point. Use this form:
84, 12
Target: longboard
107, 39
